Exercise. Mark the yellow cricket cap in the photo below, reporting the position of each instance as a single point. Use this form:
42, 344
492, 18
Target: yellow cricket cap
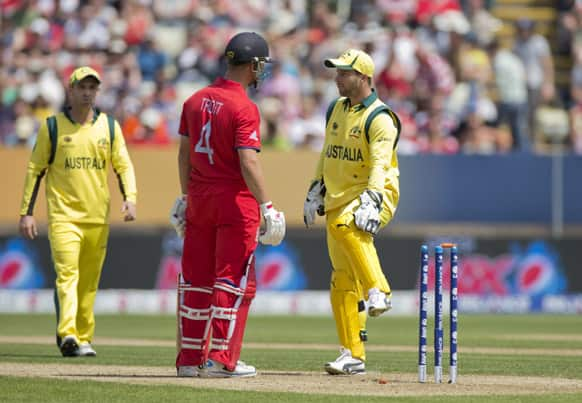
353, 59
83, 72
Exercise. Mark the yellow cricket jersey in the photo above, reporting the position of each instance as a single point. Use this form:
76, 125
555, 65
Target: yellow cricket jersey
76, 179
355, 158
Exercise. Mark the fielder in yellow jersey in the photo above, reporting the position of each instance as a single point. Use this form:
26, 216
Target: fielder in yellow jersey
356, 187
74, 150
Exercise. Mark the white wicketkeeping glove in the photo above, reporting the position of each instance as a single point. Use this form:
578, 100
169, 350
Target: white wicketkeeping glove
178, 215
274, 231
367, 215
314, 202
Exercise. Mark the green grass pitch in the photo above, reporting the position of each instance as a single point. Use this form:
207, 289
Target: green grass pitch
489, 345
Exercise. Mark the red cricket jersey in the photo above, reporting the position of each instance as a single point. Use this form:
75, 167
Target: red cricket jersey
219, 119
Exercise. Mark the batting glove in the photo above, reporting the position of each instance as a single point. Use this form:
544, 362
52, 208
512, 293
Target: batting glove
314, 202
178, 215
274, 231
367, 215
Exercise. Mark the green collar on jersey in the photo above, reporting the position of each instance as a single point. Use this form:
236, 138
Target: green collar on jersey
67, 112
366, 102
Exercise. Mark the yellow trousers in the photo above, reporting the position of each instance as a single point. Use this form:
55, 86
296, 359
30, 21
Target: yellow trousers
356, 269
78, 252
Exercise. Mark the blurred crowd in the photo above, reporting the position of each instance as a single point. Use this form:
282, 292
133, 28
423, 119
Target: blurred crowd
460, 79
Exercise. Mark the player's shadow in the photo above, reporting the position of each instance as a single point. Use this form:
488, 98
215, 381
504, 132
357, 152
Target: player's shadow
137, 376
120, 376
282, 373
28, 355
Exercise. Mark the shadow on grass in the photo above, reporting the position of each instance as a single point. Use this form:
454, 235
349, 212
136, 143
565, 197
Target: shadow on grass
146, 376
30, 355
284, 373
120, 376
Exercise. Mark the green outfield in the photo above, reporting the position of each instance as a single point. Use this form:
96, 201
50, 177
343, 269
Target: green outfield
502, 358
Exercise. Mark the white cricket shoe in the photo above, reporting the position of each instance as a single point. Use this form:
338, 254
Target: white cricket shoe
69, 346
188, 371
86, 350
215, 369
345, 364
378, 302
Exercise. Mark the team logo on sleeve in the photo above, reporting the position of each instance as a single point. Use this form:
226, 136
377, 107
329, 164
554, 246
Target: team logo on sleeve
254, 136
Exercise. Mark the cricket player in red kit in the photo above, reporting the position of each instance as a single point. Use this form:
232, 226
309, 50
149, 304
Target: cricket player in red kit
220, 215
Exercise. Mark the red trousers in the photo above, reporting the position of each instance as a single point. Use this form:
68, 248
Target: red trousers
219, 276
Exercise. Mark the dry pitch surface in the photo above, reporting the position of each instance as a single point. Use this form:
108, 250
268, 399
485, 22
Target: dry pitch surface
317, 382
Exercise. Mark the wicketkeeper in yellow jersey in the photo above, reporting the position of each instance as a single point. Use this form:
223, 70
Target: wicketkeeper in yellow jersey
74, 149
356, 187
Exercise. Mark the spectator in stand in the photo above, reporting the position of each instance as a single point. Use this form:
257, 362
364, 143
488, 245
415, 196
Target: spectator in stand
470, 103
409, 142
87, 31
153, 130
284, 86
112, 36
271, 124
575, 109
509, 73
323, 21
363, 24
476, 115
151, 60
139, 19
435, 128
221, 14
149, 124
483, 23
480, 138
569, 27
428, 9
396, 11
456, 25
403, 48
23, 128
474, 62
174, 10
435, 76
393, 84
534, 51
208, 45
487, 4
442, 32
250, 14
44, 34
308, 129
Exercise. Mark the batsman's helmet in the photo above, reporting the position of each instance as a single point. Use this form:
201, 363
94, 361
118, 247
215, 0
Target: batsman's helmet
247, 47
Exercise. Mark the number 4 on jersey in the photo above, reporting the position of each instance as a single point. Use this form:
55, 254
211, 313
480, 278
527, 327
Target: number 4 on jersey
203, 145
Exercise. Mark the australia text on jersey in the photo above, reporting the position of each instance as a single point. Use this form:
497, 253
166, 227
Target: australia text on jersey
344, 153
84, 163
